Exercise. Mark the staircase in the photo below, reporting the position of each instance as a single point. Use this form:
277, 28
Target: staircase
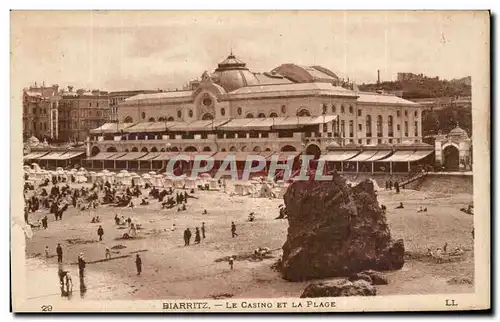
413, 178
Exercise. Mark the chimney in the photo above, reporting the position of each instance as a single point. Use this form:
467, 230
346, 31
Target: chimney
378, 76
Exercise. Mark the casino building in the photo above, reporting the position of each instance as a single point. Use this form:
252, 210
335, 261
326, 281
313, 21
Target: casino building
292, 109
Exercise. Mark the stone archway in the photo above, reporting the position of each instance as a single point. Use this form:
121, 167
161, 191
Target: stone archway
207, 149
223, 150
170, 119
233, 149
135, 149
191, 149
256, 149
128, 119
174, 149
154, 149
244, 148
267, 149
288, 148
451, 158
144, 149
111, 149
94, 151
126, 150
313, 149
162, 150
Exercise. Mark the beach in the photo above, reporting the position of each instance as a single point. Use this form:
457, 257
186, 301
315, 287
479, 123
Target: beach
174, 271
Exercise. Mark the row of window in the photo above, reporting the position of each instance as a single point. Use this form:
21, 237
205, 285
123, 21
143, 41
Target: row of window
351, 110
379, 127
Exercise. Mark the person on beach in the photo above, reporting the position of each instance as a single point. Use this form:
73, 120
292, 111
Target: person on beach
45, 222
231, 262
203, 230
59, 252
138, 264
197, 237
100, 232
46, 251
108, 253
233, 229
187, 237
81, 266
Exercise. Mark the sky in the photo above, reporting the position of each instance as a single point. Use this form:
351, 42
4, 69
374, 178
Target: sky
129, 50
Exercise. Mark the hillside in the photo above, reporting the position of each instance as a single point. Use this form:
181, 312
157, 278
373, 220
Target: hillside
424, 87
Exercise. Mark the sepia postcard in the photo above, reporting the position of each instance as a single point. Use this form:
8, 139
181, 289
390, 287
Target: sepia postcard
250, 161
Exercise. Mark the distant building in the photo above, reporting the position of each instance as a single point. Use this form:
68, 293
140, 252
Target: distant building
436, 103
118, 96
405, 77
40, 116
80, 111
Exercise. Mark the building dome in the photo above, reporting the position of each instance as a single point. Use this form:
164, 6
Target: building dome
458, 132
232, 74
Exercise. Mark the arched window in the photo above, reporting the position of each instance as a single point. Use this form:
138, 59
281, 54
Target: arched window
144, 149
179, 114
368, 125
325, 108
154, 149
233, 149
239, 111
143, 115
334, 108
134, 149
222, 111
261, 115
342, 109
249, 116
390, 124
351, 110
273, 115
190, 113
151, 119
128, 119
379, 125
170, 119
283, 109
161, 119
303, 112
207, 116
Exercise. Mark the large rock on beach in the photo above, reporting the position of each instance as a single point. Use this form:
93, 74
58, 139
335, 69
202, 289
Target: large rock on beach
336, 230
338, 288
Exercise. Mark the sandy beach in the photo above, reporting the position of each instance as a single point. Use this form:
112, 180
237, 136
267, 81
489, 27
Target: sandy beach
171, 270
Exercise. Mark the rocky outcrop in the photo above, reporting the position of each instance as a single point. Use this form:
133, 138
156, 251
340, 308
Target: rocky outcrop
371, 276
338, 288
336, 230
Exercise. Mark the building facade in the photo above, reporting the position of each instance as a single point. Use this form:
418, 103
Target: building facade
292, 108
80, 111
40, 112
115, 98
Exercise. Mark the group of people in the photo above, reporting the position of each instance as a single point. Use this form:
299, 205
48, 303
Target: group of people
197, 235
389, 185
